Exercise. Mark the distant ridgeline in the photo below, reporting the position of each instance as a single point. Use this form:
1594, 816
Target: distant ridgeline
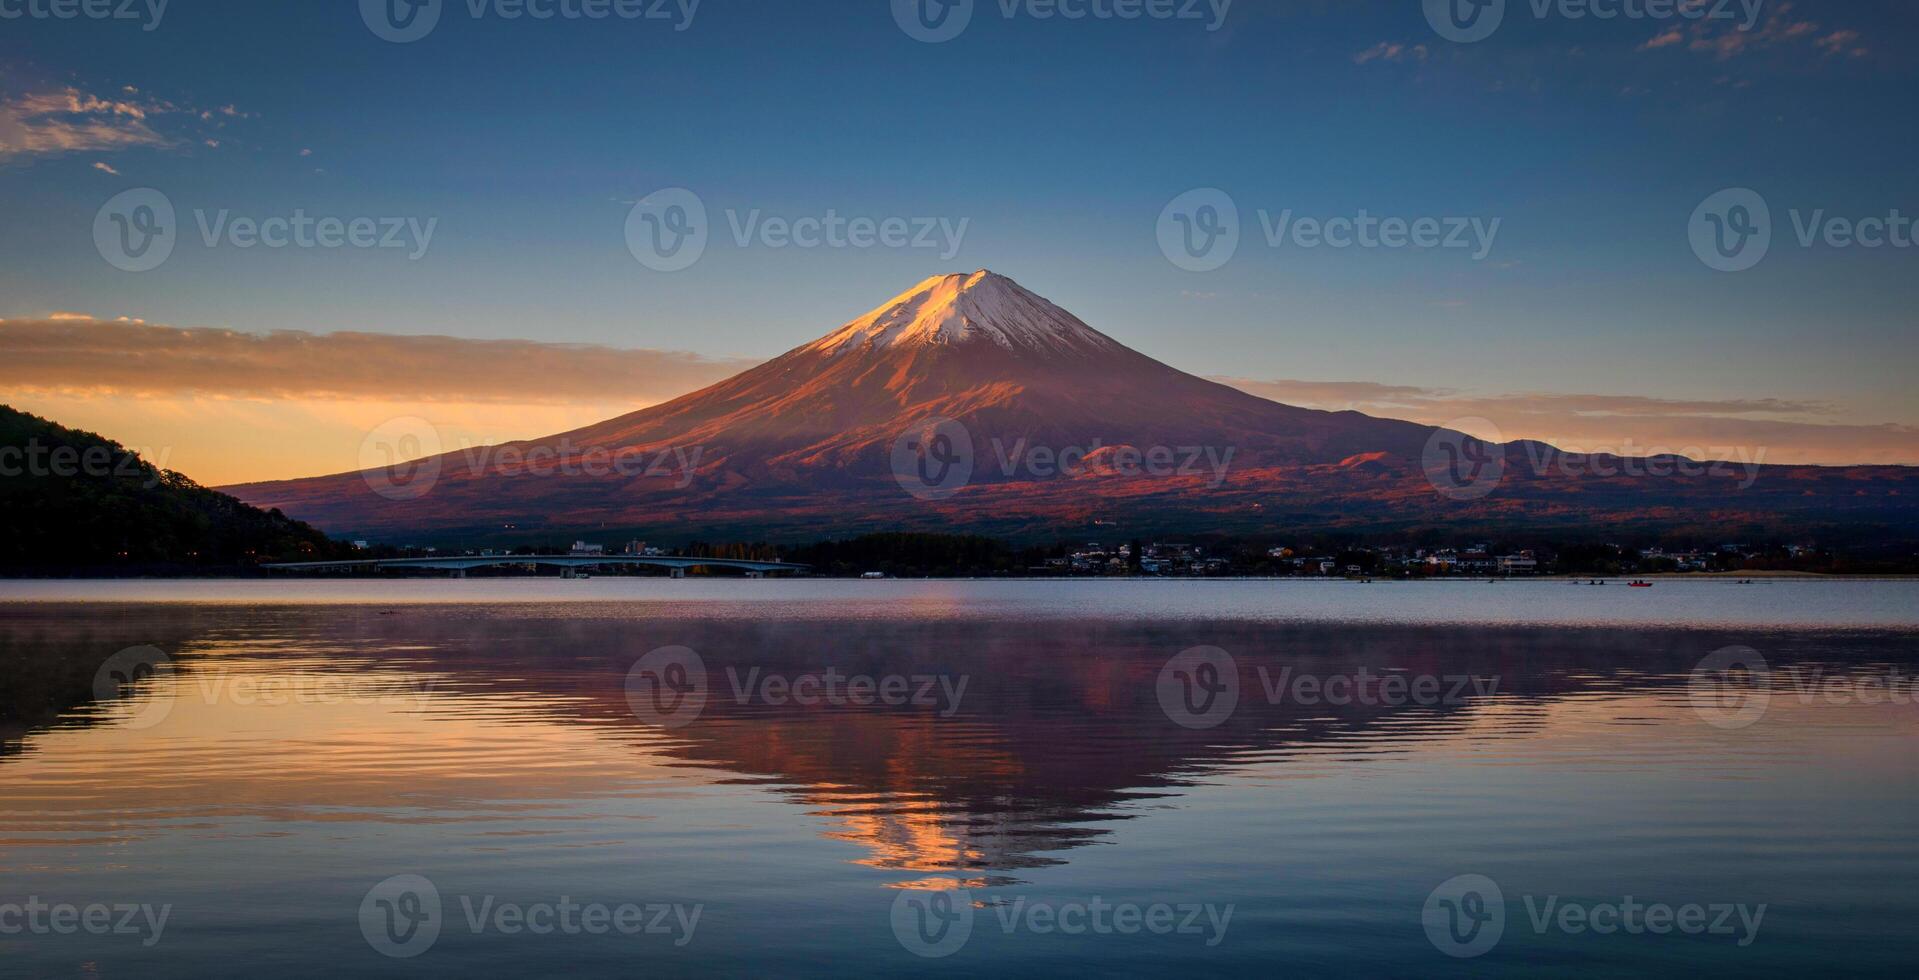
72, 500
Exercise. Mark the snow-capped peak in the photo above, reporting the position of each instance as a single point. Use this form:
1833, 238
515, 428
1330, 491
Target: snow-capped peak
962, 308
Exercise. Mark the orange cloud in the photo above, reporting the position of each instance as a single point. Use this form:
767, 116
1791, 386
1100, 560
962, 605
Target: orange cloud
1786, 431
72, 353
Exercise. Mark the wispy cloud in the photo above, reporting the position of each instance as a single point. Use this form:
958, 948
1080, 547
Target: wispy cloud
1790, 431
1391, 51
70, 120
73, 353
1782, 27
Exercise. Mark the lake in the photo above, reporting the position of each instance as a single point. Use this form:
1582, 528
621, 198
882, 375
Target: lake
546, 777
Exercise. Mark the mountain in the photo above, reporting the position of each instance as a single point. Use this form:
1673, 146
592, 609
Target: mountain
74, 500
953, 404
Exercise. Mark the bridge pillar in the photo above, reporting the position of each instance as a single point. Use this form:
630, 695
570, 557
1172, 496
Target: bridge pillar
678, 573
459, 573
568, 572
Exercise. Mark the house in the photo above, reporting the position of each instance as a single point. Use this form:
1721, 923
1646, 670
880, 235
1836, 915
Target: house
1520, 564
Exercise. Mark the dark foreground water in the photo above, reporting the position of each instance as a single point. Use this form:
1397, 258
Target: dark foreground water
641, 778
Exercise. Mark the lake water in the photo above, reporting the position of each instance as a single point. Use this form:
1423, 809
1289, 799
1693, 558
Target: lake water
748, 778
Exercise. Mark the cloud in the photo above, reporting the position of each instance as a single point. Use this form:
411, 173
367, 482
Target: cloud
1724, 40
1789, 431
70, 120
73, 354
105, 168
1666, 40
1391, 51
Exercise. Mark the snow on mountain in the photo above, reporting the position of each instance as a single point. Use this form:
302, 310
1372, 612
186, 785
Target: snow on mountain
960, 308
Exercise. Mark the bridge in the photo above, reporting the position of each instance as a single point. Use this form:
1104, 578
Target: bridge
459, 565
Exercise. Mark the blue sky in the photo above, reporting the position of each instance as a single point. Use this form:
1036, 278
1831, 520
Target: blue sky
1058, 141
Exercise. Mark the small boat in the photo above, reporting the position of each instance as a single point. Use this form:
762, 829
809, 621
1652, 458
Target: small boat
1640, 585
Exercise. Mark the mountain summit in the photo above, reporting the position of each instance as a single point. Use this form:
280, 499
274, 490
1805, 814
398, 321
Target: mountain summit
1051, 424
958, 308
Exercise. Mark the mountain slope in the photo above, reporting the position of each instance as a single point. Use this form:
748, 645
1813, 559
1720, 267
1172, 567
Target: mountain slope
71, 499
804, 445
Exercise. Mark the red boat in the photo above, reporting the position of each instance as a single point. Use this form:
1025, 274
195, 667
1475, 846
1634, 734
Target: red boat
1640, 585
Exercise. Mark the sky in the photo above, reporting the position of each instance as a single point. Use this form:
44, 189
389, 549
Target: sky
510, 174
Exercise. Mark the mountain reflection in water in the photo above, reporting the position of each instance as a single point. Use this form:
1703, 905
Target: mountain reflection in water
510, 733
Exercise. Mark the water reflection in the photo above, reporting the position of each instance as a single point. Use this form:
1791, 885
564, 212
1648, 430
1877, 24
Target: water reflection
1008, 744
